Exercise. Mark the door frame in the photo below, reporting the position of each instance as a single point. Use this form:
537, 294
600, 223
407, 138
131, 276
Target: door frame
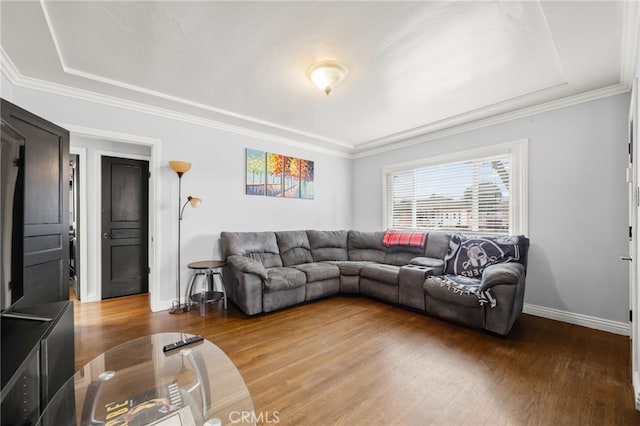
98, 218
82, 253
634, 243
154, 196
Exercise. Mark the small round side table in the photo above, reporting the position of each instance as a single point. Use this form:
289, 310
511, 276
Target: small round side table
207, 269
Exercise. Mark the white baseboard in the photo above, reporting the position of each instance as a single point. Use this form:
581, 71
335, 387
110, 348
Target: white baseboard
636, 389
91, 297
162, 305
615, 327
539, 311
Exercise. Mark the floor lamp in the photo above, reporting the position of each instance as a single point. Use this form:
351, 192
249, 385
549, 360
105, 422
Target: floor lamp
181, 167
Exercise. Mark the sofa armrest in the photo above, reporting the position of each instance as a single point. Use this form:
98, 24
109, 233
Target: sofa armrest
250, 266
436, 265
501, 273
429, 262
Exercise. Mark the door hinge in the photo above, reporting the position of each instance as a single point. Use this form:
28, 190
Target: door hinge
630, 316
149, 175
630, 232
148, 269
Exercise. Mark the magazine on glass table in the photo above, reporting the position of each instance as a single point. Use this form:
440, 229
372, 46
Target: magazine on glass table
163, 406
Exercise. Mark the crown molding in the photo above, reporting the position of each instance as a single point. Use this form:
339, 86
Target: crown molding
492, 110
249, 120
629, 58
91, 133
464, 123
201, 106
8, 68
443, 128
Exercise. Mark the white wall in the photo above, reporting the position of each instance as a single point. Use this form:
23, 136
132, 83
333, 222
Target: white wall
6, 88
577, 201
217, 176
577, 192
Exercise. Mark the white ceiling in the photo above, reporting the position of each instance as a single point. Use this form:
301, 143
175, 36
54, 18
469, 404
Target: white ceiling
415, 67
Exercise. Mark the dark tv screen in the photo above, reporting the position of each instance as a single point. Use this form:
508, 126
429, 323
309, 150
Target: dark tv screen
11, 216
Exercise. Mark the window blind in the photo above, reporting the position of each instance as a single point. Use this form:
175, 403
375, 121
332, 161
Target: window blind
466, 196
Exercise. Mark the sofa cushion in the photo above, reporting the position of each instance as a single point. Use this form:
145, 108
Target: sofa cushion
437, 245
454, 289
428, 262
294, 247
366, 246
351, 268
461, 307
380, 272
317, 271
328, 245
284, 278
402, 255
259, 246
470, 255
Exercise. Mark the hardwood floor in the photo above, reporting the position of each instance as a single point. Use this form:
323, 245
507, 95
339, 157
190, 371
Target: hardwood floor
356, 361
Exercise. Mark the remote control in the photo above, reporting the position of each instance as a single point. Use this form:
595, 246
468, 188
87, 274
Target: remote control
181, 343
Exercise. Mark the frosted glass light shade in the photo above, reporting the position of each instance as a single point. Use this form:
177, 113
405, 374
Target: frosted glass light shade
180, 167
327, 75
194, 201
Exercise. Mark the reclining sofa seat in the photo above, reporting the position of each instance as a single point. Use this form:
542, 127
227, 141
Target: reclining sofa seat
257, 278
272, 270
320, 278
483, 282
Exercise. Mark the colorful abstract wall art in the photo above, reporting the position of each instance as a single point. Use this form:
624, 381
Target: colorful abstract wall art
276, 175
256, 172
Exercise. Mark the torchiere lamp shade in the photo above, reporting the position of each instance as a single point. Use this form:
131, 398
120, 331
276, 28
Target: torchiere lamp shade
180, 167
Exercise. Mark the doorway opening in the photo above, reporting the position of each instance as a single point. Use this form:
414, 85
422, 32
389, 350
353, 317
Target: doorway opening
74, 226
91, 145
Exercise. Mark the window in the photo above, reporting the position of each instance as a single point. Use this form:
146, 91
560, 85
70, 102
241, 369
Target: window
477, 191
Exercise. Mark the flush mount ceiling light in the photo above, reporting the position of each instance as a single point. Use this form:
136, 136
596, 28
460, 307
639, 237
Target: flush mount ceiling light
327, 75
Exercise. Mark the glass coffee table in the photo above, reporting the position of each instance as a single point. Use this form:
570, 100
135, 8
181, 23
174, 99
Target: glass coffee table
137, 383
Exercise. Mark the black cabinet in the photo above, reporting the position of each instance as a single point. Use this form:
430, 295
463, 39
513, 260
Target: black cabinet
38, 356
21, 397
57, 360
37, 359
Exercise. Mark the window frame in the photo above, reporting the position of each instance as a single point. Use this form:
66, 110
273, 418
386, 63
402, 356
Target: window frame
518, 202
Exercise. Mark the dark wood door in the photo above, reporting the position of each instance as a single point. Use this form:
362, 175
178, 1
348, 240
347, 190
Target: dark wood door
46, 206
125, 208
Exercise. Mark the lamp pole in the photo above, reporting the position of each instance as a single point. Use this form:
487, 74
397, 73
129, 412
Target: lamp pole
177, 304
181, 167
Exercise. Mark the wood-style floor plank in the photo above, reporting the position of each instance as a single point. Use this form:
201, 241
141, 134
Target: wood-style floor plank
356, 361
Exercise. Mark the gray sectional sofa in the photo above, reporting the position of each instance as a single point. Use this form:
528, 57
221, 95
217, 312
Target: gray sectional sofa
475, 281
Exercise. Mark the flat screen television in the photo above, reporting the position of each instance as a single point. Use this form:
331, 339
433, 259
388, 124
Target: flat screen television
12, 154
